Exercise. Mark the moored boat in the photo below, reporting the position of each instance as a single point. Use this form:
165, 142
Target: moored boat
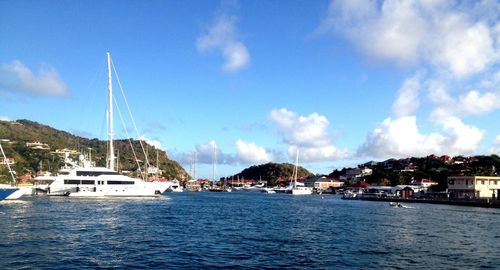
87, 181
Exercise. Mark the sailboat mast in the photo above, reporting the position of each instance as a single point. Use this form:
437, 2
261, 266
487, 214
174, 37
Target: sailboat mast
110, 112
214, 157
296, 168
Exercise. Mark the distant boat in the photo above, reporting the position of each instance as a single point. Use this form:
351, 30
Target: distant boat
175, 187
299, 189
89, 181
254, 188
397, 205
268, 190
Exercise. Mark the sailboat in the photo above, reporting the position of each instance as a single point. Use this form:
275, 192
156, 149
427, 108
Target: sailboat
10, 191
87, 181
299, 189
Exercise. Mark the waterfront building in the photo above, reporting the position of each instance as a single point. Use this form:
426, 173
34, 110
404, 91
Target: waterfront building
474, 186
322, 182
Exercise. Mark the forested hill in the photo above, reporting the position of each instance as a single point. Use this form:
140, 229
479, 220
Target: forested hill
271, 172
14, 136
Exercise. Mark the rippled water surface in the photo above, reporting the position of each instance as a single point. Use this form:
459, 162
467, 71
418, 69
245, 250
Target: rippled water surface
245, 231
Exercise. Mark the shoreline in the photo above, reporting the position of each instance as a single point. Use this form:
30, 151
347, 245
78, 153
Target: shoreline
485, 203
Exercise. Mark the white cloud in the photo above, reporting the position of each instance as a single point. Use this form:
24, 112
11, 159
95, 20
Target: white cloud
401, 138
309, 133
155, 143
472, 102
204, 154
222, 35
17, 77
5, 118
249, 152
407, 102
458, 43
462, 138
448, 34
463, 47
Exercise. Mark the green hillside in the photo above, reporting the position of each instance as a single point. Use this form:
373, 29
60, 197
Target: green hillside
15, 134
271, 172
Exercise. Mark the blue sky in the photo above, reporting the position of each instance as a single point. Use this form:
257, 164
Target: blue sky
343, 81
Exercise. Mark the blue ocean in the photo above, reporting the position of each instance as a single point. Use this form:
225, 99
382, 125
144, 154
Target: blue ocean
244, 230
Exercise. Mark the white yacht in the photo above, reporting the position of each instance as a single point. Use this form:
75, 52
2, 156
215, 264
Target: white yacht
102, 182
87, 181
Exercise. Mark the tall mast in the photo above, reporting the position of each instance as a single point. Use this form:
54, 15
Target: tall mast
214, 157
194, 166
110, 112
296, 168
157, 165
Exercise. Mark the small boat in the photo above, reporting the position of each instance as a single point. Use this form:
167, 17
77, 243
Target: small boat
175, 187
397, 205
268, 191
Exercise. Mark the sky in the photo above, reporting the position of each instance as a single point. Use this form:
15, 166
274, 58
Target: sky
341, 82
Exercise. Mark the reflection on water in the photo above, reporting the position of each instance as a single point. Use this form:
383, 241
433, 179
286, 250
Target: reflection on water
244, 230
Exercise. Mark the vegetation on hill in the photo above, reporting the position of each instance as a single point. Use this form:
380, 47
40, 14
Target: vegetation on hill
27, 159
270, 172
404, 171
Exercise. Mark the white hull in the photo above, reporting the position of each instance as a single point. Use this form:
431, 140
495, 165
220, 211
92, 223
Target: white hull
301, 191
18, 193
268, 190
102, 182
178, 189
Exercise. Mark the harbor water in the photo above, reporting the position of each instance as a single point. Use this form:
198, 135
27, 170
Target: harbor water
243, 230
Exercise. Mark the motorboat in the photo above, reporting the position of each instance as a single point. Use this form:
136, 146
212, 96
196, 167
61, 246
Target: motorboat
397, 205
175, 187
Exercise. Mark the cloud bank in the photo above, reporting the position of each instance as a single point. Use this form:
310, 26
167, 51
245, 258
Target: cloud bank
451, 44
250, 153
450, 35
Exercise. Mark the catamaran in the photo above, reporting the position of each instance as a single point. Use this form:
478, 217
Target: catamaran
87, 181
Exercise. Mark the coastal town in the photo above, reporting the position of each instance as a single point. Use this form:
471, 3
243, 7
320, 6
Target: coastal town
433, 179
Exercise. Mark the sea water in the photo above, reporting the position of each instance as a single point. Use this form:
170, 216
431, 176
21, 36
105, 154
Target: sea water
243, 230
